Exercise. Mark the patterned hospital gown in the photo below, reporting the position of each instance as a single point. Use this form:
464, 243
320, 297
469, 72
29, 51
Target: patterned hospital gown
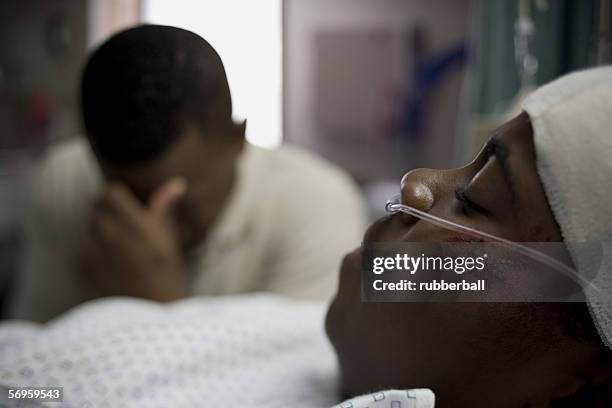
239, 351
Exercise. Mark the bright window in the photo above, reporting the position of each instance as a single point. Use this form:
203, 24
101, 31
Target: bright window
247, 34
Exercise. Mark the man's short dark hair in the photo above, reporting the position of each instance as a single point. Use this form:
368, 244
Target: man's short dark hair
144, 85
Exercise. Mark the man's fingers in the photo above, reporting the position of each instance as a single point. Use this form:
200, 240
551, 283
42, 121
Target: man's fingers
105, 228
164, 197
122, 203
108, 235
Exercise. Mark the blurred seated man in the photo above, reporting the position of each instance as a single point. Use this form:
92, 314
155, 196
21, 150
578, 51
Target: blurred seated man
165, 199
268, 351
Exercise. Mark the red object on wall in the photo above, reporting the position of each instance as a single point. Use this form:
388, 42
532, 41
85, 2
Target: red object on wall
38, 111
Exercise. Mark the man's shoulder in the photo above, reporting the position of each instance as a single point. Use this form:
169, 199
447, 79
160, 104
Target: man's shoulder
300, 179
67, 177
292, 163
68, 154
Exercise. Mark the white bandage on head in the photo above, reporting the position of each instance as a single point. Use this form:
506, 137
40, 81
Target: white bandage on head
572, 126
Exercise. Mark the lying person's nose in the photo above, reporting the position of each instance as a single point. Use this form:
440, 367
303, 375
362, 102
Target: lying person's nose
417, 190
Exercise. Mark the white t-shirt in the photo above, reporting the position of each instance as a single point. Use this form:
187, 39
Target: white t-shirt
251, 351
287, 223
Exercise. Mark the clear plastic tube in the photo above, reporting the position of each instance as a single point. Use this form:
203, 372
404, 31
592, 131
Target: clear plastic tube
395, 205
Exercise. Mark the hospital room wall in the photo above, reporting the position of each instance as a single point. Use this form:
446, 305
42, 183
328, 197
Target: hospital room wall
564, 40
566, 37
348, 68
349, 63
42, 44
42, 48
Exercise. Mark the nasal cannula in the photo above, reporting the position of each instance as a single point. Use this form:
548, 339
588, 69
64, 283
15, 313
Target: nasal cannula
394, 205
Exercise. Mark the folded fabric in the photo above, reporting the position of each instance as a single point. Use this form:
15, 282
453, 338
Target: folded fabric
416, 398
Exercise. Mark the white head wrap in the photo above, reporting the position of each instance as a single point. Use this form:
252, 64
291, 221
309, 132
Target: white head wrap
572, 126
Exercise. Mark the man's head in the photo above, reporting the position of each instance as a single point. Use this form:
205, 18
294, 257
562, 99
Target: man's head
156, 105
471, 354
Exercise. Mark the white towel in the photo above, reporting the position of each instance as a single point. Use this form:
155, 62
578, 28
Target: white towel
572, 123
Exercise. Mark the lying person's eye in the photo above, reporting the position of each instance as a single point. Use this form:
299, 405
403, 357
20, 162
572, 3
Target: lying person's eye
467, 205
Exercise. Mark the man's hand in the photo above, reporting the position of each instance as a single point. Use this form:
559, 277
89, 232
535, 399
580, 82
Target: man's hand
132, 249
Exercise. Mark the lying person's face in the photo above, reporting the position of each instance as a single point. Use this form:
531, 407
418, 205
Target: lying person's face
470, 354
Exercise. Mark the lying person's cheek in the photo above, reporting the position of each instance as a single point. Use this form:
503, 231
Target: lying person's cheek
347, 300
350, 275
384, 229
394, 229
